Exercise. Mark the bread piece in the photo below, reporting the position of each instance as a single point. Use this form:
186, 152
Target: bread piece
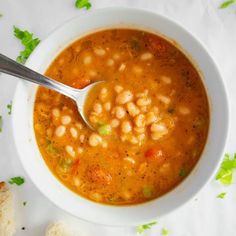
7, 221
58, 229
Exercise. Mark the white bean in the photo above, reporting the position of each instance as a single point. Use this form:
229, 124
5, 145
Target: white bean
166, 100
133, 110
107, 106
73, 132
60, 131
119, 112
150, 118
110, 62
126, 127
139, 130
56, 112
143, 101
146, 56
137, 70
124, 97
99, 51
78, 125
141, 137
139, 120
70, 150
82, 138
103, 94
65, 120
129, 159
166, 79
87, 60
143, 94
183, 110
97, 107
115, 123
80, 150
94, 140
157, 135
158, 128
118, 88
77, 181
122, 67
93, 119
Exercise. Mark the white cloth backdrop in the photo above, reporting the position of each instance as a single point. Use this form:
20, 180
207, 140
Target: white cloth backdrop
204, 216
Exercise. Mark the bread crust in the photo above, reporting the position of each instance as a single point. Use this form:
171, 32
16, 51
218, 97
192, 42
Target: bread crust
7, 221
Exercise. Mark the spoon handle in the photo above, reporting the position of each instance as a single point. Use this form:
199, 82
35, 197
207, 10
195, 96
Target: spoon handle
11, 67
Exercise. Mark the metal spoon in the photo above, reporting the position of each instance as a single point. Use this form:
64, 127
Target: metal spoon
11, 67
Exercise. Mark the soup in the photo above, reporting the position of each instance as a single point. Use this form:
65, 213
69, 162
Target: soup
151, 117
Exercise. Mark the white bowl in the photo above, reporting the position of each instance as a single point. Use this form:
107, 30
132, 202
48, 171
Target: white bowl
26, 144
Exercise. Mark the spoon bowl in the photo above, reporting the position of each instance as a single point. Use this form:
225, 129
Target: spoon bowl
8, 66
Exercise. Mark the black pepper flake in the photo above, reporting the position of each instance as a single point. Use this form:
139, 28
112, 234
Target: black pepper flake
23, 228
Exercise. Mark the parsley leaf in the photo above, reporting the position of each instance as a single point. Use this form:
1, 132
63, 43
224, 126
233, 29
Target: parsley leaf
83, 3
225, 173
1, 122
164, 231
227, 4
141, 228
221, 195
9, 107
28, 41
1, 15
182, 172
16, 180
24, 203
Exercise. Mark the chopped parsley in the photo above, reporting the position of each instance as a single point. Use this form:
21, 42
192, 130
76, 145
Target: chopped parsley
164, 231
24, 203
51, 149
227, 4
1, 122
1, 15
83, 4
225, 173
221, 195
28, 41
9, 107
182, 172
141, 228
16, 180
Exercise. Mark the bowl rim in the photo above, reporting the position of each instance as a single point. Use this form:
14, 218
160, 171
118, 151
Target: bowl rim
131, 11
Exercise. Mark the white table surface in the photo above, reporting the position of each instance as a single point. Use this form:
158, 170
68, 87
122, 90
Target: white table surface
206, 215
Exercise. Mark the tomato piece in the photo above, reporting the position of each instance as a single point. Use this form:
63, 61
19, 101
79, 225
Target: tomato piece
81, 83
98, 175
75, 167
155, 154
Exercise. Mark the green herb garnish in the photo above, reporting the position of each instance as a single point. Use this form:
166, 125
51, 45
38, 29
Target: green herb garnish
147, 191
104, 130
164, 231
225, 173
227, 4
51, 149
182, 172
1, 15
16, 180
24, 203
83, 4
1, 122
221, 195
28, 41
141, 228
9, 107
